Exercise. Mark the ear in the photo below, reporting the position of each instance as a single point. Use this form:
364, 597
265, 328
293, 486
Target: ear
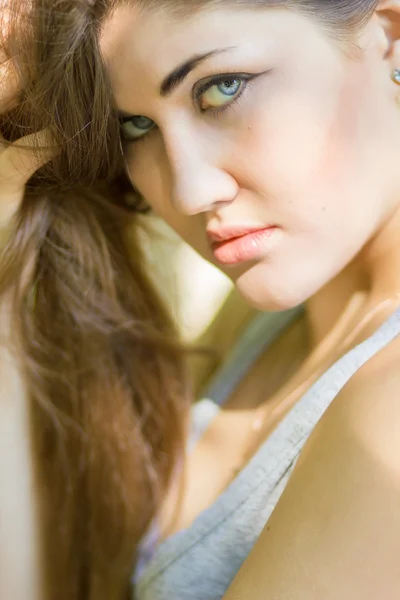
388, 13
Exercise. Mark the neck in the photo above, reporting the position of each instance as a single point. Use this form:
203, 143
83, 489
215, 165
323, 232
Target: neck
369, 285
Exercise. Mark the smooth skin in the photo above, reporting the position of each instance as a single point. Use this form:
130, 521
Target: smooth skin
312, 145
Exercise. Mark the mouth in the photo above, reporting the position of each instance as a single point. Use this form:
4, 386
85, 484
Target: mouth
231, 247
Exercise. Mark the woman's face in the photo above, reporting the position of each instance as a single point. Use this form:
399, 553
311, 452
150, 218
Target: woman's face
250, 120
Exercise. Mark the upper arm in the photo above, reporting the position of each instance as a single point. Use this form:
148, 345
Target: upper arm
335, 533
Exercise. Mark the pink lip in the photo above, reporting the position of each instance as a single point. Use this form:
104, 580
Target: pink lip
223, 234
243, 247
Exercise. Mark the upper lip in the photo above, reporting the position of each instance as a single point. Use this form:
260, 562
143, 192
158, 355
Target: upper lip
222, 234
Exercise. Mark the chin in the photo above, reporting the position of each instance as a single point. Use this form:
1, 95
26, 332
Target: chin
270, 296
268, 303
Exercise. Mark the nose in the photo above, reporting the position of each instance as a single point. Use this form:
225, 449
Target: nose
198, 183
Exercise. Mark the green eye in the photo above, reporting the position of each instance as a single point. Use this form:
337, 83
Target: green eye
221, 93
133, 128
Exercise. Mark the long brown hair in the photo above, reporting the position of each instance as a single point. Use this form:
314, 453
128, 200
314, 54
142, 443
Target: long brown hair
104, 373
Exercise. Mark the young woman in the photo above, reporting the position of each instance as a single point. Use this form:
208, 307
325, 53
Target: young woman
267, 134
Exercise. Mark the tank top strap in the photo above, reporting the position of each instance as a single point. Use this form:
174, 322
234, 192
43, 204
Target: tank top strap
262, 331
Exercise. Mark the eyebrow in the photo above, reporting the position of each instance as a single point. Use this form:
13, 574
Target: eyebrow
178, 75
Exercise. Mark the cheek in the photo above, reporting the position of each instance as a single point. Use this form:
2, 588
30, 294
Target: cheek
304, 155
298, 145
319, 183
147, 177
150, 175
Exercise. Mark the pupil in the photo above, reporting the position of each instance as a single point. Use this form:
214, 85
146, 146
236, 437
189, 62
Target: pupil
230, 86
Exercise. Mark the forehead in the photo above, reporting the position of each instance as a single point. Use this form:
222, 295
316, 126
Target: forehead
146, 45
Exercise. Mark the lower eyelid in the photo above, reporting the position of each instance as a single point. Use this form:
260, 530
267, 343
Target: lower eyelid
240, 91
214, 111
141, 138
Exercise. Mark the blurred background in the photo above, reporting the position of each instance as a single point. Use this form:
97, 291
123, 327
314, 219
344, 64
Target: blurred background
203, 301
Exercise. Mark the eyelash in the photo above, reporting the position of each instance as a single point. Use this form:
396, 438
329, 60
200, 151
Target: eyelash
199, 89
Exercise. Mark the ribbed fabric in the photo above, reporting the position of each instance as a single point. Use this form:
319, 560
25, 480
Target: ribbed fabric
200, 562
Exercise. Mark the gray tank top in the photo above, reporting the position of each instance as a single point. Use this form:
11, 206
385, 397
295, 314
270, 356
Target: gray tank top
200, 562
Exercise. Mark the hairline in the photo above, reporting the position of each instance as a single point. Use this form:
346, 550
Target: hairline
343, 34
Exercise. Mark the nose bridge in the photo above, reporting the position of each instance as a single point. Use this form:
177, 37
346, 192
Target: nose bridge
183, 150
197, 180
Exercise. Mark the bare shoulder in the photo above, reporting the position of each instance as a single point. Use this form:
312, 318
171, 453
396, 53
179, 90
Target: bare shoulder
335, 532
382, 370
368, 407
359, 435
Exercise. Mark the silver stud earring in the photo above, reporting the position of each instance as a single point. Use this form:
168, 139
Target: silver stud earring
396, 76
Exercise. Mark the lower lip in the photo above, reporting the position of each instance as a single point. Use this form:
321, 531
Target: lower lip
244, 248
